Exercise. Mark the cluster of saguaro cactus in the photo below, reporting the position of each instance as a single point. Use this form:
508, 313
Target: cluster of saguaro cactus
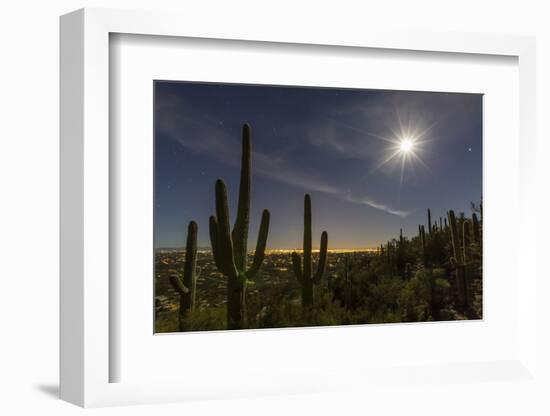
304, 274
186, 289
230, 247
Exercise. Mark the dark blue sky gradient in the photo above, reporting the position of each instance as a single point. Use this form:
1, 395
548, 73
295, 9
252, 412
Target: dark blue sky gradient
326, 142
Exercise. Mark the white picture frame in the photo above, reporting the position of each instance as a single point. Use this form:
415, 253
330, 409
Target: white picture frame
85, 206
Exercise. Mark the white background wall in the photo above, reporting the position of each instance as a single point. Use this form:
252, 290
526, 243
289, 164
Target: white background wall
29, 206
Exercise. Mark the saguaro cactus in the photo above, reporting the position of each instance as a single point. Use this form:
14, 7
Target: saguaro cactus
401, 252
422, 235
230, 248
475, 228
187, 288
304, 275
459, 263
466, 241
429, 221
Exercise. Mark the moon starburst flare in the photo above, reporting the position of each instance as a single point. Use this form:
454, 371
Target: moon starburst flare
406, 147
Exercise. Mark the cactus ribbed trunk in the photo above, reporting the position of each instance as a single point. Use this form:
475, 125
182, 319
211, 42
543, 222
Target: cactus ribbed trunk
236, 305
187, 288
429, 221
307, 293
230, 248
304, 275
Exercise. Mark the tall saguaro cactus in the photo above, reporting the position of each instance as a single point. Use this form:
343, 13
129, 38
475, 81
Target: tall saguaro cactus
304, 275
187, 288
422, 235
429, 221
230, 247
459, 262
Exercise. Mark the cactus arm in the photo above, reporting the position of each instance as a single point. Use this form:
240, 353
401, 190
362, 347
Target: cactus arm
240, 230
178, 285
307, 237
214, 241
260, 245
297, 266
322, 265
225, 244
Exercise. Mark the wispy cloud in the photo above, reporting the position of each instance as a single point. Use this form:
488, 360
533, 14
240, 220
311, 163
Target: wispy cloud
373, 204
199, 134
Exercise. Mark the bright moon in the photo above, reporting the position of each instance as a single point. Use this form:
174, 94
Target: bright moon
406, 145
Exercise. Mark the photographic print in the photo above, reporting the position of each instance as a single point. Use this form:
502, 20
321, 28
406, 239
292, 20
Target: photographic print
283, 206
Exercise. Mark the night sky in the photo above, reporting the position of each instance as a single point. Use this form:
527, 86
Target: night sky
331, 143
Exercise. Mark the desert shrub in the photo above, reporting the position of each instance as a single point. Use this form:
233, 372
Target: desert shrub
280, 315
208, 319
415, 297
384, 295
166, 321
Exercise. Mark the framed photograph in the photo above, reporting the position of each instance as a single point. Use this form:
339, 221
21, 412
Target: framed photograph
237, 208
367, 163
